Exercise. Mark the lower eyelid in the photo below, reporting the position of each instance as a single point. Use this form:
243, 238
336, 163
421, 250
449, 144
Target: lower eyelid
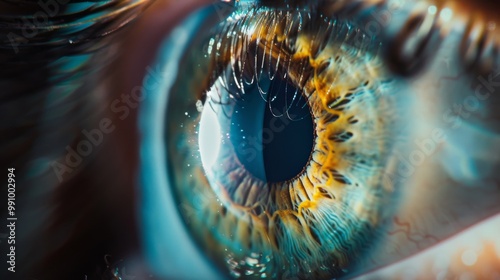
475, 250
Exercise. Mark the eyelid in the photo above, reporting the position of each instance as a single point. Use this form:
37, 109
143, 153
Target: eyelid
445, 256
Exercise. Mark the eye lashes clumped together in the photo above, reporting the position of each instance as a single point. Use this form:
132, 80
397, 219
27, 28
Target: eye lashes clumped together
261, 44
47, 50
418, 38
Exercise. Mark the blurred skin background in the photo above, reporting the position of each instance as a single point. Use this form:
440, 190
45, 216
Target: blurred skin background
85, 225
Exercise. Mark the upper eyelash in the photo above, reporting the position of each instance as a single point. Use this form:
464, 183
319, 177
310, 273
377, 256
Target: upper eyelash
235, 51
46, 36
476, 53
36, 47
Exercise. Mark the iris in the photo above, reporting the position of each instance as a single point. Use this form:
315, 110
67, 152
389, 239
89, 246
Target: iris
285, 143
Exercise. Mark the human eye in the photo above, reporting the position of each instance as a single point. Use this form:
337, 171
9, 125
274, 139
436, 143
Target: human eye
432, 188
377, 169
293, 137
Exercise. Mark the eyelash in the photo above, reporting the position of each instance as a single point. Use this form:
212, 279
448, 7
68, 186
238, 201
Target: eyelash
478, 50
249, 61
52, 48
50, 58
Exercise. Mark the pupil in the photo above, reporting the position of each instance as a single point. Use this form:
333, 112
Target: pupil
272, 145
